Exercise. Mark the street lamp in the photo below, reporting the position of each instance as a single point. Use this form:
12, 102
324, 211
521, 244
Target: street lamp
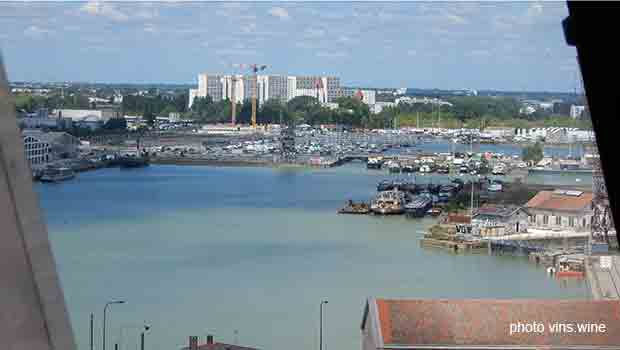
105, 309
321, 324
146, 328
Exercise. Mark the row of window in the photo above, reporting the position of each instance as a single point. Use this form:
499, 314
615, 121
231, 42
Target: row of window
558, 220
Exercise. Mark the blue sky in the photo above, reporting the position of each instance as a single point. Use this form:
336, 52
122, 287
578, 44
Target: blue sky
450, 45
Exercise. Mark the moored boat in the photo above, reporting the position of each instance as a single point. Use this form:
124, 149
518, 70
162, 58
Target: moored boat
385, 185
57, 174
374, 163
418, 206
434, 211
393, 166
389, 203
133, 161
354, 208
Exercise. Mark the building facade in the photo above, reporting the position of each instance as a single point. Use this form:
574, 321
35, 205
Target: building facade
560, 210
494, 221
41, 148
280, 87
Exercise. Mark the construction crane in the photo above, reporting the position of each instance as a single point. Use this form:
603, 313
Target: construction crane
254, 68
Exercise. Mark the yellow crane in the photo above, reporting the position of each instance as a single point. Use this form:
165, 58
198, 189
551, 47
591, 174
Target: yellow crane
254, 68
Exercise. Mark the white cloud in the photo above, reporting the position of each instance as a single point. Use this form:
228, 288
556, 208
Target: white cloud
330, 54
149, 28
104, 9
478, 53
236, 52
279, 12
249, 27
71, 28
149, 13
455, 19
314, 32
36, 32
344, 38
535, 9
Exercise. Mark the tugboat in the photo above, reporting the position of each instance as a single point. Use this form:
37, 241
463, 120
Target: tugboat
57, 174
354, 208
389, 203
374, 163
418, 206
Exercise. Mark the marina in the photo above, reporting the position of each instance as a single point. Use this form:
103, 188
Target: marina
218, 236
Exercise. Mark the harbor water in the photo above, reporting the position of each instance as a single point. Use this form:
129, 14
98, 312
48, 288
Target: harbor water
247, 254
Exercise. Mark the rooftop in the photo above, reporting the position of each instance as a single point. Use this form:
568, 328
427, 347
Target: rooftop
417, 323
561, 200
496, 210
212, 345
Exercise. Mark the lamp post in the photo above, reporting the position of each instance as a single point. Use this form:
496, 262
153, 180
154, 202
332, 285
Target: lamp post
146, 328
105, 309
321, 324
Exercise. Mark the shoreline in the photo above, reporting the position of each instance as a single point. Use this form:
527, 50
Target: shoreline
224, 163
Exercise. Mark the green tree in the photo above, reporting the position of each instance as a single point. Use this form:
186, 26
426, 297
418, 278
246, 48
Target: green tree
532, 153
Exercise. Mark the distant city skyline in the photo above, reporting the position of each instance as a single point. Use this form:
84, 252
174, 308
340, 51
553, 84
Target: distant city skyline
482, 46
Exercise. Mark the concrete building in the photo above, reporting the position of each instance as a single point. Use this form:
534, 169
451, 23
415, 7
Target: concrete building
560, 210
576, 111
88, 118
43, 147
493, 221
42, 120
484, 324
280, 87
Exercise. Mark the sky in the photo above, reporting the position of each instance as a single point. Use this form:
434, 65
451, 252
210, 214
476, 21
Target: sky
517, 46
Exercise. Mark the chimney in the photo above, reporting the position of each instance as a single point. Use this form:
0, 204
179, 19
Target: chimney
193, 342
209, 339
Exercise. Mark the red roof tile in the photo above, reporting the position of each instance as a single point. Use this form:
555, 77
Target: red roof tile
487, 322
552, 201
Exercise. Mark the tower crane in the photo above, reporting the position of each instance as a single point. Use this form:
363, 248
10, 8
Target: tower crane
254, 69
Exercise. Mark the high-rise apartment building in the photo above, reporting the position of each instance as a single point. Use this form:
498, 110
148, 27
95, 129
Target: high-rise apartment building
283, 88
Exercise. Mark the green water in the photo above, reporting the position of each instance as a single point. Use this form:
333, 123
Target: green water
205, 250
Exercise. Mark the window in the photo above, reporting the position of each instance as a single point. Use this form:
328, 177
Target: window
545, 219
571, 221
558, 220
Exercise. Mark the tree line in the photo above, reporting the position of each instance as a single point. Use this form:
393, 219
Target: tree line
301, 109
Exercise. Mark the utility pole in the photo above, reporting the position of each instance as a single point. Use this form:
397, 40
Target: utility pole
91, 330
323, 302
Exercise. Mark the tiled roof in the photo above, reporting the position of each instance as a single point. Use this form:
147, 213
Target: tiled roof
480, 322
553, 201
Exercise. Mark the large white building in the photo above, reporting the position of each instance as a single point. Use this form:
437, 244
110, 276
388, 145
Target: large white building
284, 88
43, 147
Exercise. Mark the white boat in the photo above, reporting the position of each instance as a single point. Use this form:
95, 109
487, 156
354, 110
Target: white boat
499, 169
57, 174
389, 202
393, 166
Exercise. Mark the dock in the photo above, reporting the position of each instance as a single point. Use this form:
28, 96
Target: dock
603, 274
